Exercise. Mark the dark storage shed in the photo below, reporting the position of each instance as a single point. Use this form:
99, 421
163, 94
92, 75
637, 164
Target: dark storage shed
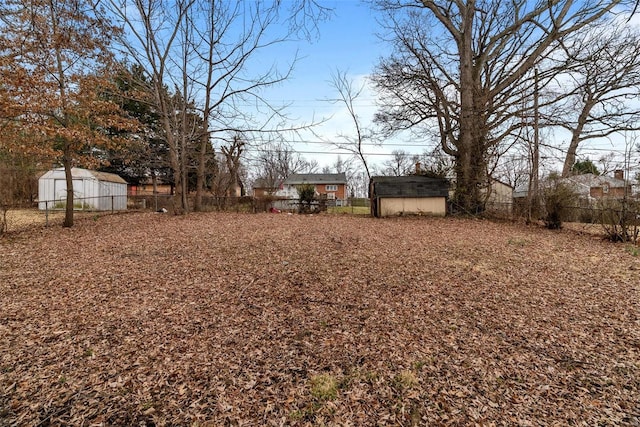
408, 195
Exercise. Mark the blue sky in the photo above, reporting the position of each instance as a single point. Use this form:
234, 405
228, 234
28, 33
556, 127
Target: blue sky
347, 42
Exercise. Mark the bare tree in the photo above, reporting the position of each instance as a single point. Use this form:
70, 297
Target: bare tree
232, 154
276, 161
608, 163
222, 58
436, 163
341, 165
601, 82
348, 94
208, 50
401, 163
151, 40
354, 174
358, 183
464, 68
514, 168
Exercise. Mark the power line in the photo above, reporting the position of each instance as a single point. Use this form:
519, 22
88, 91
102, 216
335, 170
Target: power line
372, 144
338, 153
267, 150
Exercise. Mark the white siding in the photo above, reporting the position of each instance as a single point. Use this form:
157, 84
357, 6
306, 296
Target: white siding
89, 192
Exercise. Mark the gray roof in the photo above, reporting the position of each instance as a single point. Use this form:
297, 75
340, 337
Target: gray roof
260, 183
592, 180
316, 178
581, 184
108, 177
409, 186
521, 192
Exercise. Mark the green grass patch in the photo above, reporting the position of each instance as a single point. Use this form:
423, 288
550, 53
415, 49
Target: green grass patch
515, 241
405, 380
352, 210
76, 205
324, 387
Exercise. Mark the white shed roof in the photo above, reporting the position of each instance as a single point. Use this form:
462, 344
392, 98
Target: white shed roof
85, 173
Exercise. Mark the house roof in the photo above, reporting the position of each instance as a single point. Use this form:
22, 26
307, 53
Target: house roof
316, 178
409, 186
84, 173
592, 180
260, 183
263, 184
581, 184
108, 177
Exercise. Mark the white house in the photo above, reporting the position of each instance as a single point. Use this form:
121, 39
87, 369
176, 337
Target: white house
92, 190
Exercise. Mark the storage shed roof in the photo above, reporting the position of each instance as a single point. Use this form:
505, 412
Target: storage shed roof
108, 177
85, 173
409, 186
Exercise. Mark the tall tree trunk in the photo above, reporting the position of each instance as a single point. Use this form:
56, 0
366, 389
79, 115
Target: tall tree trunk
174, 152
68, 214
570, 158
178, 208
470, 141
154, 181
206, 111
62, 84
184, 181
201, 171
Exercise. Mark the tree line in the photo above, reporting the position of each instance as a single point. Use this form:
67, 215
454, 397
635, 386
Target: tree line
147, 88
143, 85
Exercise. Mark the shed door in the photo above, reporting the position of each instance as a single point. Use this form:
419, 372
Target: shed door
60, 189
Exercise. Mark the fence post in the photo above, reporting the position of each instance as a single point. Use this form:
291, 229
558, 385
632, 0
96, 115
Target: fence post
112, 203
46, 213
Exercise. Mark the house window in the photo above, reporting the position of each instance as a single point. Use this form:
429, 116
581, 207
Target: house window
605, 188
331, 196
332, 187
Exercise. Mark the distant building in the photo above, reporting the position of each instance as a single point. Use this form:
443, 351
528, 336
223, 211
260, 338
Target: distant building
600, 186
262, 188
499, 197
333, 186
591, 187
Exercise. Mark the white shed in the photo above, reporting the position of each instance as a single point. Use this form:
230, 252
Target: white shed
92, 190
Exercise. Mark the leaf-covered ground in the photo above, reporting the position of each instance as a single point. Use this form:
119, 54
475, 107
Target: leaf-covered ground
239, 319
22, 219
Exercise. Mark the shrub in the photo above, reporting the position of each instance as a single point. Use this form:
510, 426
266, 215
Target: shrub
585, 212
619, 219
306, 194
557, 199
